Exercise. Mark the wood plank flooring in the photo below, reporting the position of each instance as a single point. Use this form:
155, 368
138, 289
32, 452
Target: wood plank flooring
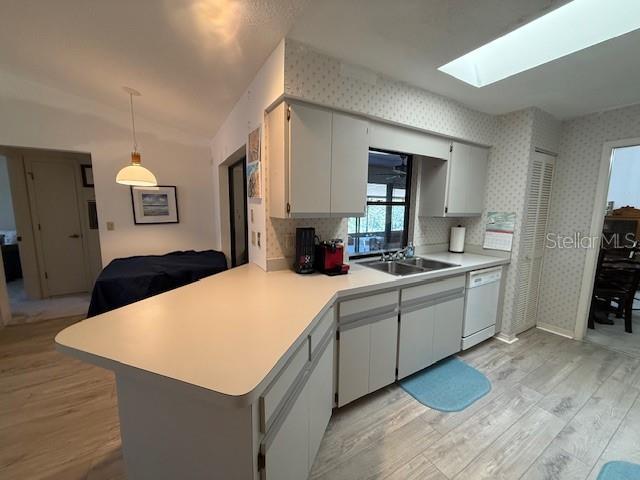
558, 409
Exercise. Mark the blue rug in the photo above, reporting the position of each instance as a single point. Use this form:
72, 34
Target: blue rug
619, 471
449, 386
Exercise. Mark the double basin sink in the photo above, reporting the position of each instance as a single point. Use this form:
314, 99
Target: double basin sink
407, 266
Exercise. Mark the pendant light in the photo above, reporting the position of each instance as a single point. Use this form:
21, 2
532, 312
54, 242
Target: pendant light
135, 174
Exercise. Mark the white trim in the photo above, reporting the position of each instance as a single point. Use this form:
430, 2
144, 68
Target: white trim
505, 339
563, 332
597, 222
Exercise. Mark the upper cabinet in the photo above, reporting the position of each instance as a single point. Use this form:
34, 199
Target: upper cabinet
404, 140
317, 162
454, 188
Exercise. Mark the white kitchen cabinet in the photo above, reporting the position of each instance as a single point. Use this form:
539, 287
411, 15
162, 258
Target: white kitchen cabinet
320, 397
367, 356
399, 139
349, 165
431, 317
286, 451
454, 188
447, 327
416, 340
317, 162
293, 440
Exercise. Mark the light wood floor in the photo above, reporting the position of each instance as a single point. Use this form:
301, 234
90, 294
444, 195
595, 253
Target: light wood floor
615, 338
558, 409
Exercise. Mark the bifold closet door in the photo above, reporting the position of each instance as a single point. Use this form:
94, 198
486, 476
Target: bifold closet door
532, 243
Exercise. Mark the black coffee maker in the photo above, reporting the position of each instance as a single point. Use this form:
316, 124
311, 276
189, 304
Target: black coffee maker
305, 249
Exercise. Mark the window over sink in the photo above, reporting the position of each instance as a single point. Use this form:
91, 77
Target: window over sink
384, 227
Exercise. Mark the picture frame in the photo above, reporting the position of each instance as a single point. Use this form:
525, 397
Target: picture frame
87, 175
253, 168
155, 205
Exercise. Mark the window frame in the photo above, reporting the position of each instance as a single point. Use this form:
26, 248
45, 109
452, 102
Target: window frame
389, 204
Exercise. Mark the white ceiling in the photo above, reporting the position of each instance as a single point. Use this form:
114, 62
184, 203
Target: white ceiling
192, 59
409, 39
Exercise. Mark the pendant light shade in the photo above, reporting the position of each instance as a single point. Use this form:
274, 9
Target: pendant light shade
135, 174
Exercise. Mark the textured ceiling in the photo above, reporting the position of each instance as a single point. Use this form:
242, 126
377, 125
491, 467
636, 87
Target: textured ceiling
191, 59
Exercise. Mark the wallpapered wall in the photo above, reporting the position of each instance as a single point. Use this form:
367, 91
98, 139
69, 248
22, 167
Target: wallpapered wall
574, 185
313, 76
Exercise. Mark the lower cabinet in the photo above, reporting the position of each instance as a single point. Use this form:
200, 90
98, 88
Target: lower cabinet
416, 340
367, 356
430, 326
447, 328
290, 446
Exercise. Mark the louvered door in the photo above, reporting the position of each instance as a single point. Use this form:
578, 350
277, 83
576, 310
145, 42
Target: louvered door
533, 239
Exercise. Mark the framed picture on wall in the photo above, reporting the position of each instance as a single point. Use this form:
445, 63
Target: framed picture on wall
153, 205
87, 175
254, 188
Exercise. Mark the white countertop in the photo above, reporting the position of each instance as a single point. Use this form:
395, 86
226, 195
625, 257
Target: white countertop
228, 333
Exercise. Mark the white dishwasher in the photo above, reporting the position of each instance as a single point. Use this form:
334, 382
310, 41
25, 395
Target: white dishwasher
481, 306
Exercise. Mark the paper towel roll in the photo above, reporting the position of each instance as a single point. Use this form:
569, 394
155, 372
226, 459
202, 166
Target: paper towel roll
456, 240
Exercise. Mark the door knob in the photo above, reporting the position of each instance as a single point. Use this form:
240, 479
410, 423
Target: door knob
75, 235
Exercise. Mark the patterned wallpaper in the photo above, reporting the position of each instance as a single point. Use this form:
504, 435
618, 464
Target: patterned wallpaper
575, 182
506, 185
318, 78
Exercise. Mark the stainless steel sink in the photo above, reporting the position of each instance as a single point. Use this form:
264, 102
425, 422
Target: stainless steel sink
393, 267
426, 264
407, 266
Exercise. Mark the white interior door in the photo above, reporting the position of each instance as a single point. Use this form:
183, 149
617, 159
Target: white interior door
57, 224
533, 238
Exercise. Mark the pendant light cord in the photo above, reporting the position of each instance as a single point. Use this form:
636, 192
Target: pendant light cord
133, 124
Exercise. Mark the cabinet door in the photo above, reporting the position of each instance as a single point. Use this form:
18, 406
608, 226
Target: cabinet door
467, 179
349, 166
320, 388
447, 330
287, 453
384, 347
309, 161
353, 374
416, 340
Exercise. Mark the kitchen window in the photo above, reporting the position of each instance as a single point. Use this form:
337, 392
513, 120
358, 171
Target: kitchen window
385, 224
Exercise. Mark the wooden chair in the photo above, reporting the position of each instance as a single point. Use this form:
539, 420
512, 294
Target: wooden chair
617, 280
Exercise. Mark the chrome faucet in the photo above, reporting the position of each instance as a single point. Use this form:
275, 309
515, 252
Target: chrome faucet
406, 252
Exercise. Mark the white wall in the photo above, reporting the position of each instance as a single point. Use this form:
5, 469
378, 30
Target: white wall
248, 113
34, 115
577, 170
624, 185
7, 219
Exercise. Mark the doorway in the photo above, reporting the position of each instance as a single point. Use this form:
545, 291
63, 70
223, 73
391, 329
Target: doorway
614, 307
238, 213
50, 244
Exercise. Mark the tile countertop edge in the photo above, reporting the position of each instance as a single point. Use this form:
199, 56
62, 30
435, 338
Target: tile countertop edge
251, 394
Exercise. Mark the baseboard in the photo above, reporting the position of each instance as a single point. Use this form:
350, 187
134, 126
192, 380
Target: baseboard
563, 332
505, 339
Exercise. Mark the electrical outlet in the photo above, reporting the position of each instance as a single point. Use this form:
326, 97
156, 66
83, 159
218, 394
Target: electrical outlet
259, 245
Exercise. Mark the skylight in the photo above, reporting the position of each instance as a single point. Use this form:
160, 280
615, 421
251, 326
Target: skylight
565, 30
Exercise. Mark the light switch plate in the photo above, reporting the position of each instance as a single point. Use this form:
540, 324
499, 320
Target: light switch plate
111, 226
253, 238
